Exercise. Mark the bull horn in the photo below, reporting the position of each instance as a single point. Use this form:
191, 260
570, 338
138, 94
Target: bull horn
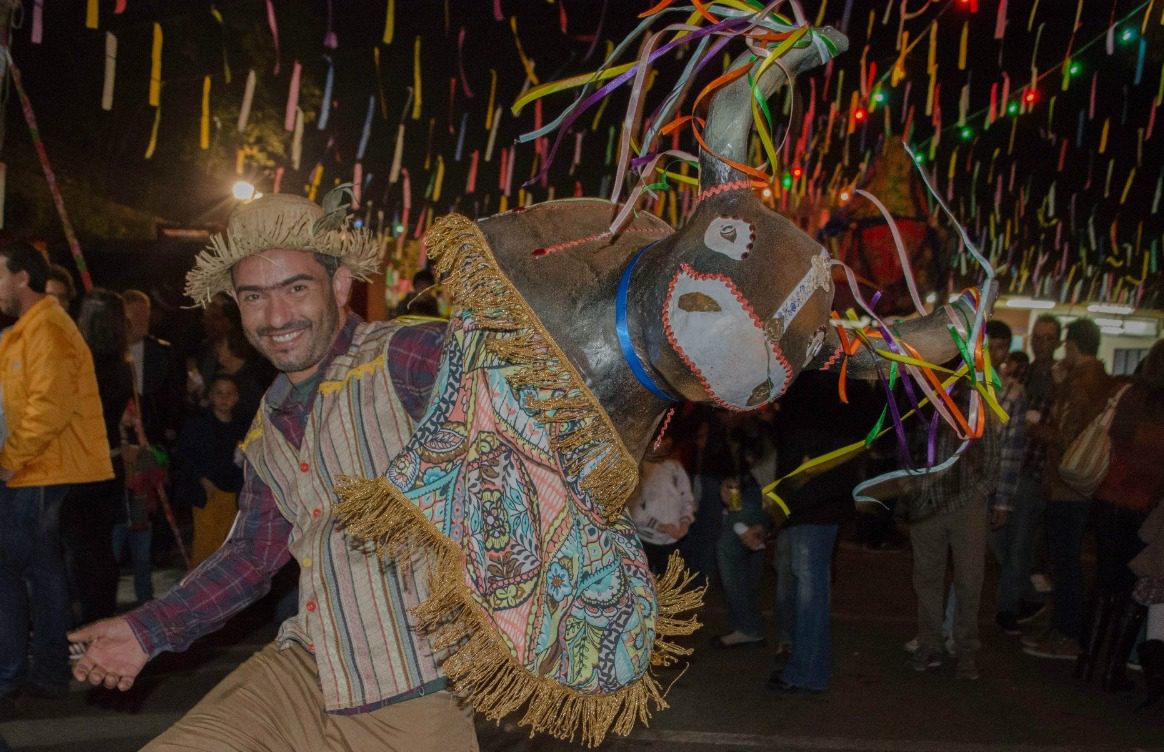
729, 116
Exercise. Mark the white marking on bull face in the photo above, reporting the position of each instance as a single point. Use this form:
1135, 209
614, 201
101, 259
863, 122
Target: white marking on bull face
731, 236
720, 338
818, 277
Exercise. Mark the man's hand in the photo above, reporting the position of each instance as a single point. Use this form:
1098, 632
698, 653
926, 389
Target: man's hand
753, 537
113, 657
998, 518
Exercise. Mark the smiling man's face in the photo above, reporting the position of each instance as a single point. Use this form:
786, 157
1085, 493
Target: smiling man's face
291, 309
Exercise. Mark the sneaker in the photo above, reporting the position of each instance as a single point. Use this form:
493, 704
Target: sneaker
1007, 622
1058, 646
1042, 583
1029, 611
736, 640
967, 668
1037, 638
925, 661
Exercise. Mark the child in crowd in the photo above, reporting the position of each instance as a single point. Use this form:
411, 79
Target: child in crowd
207, 474
663, 506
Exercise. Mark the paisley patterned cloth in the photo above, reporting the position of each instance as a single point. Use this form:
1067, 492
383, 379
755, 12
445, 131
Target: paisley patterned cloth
572, 597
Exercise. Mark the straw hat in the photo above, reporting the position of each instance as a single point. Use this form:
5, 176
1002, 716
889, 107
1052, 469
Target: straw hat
286, 222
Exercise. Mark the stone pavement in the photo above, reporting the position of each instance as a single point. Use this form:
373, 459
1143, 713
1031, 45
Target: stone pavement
876, 703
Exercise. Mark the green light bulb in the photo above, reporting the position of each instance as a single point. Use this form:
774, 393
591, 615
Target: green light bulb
1074, 69
967, 133
1012, 108
786, 181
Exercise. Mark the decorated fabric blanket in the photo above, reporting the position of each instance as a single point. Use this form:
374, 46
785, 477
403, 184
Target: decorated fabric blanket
513, 479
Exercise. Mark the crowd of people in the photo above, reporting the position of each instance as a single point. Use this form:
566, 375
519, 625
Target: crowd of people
113, 449
120, 438
1003, 497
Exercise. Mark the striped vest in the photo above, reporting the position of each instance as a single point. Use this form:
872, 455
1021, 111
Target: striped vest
353, 608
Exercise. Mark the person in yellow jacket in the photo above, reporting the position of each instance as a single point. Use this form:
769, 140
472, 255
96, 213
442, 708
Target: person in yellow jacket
55, 437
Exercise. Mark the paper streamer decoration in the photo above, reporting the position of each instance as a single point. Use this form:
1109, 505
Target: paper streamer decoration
274, 26
37, 33
110, 71
297, 140
156, 68
222, 27
325, 105
244, 111
416, 80
153, 144
394, 172
389, 21
204, 125
49, 176
461, 63
367, 132
329, 39
292, 98
91, 15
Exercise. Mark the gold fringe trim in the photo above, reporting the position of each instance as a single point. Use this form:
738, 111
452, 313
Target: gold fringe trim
359, 372
594, 451
481, 667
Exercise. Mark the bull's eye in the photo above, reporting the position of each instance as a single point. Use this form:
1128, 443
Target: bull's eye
731, 236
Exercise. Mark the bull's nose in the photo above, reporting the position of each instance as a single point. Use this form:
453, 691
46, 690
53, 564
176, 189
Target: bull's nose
760, 394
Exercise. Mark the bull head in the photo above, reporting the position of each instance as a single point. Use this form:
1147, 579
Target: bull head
727, 310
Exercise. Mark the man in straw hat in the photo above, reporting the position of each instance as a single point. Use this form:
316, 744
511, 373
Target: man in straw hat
348, 671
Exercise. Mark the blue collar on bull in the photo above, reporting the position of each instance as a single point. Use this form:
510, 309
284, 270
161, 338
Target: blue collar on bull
633, 361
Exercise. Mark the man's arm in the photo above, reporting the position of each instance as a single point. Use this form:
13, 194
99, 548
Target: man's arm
51, 389
236, 575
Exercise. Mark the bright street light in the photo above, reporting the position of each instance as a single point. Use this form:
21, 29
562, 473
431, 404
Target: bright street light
243, 190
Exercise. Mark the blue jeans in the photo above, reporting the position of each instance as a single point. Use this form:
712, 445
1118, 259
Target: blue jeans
33, 588
1013, 545
1066, 524
803, 578
139, 555
740, 570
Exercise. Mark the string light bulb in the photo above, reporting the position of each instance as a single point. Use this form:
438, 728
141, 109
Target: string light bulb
797, 172
859, 114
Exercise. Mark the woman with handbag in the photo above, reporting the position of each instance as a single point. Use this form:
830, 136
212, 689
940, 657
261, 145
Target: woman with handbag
1133, 483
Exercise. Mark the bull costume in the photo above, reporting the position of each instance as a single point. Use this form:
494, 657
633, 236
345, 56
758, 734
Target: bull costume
486, 462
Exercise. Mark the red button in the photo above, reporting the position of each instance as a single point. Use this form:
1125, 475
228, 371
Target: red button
311, 606
304, 467
311, 646
316, 512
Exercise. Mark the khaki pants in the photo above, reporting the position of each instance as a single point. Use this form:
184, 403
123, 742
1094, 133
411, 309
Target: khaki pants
273, 702
961, 536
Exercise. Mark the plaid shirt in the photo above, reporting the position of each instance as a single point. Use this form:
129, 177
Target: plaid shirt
1039, 390
240, 572
974, 476
1012, 449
